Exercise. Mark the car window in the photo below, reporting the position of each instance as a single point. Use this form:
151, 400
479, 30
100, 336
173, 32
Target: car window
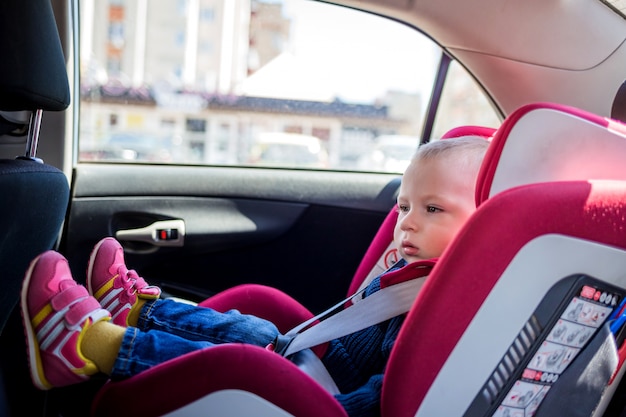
462, 103
261, 83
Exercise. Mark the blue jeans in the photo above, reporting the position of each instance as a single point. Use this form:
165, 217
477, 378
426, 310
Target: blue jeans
167, 329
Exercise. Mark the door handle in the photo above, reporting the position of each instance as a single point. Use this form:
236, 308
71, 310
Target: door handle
161, 233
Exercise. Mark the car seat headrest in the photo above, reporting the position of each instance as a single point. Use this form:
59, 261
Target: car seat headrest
32, 65
544, 142
469, 130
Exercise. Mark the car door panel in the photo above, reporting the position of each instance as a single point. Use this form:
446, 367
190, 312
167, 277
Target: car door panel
206, 224
301, 231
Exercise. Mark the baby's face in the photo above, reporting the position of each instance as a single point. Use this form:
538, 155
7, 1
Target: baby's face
435, 200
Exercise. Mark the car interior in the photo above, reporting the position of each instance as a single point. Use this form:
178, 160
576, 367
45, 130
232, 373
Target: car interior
519, 315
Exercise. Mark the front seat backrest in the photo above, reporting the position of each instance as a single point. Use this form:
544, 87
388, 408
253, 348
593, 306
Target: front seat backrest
33, 79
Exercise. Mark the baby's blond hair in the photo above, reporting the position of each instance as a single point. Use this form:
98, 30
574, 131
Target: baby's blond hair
467, 150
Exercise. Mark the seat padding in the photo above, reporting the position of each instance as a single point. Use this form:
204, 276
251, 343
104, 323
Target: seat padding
35, 198
552, 142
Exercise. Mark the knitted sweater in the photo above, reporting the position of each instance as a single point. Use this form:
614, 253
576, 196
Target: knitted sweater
357, 361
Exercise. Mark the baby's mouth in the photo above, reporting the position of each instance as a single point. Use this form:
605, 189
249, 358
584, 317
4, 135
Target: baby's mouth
409, 249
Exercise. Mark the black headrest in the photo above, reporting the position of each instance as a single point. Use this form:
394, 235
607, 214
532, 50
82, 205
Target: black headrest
32, 66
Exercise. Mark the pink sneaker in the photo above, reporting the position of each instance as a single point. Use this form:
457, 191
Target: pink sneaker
114, 286
56, 311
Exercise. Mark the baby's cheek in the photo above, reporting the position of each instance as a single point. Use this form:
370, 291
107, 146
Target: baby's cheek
439, 245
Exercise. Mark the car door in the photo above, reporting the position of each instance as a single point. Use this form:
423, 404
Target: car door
175, 98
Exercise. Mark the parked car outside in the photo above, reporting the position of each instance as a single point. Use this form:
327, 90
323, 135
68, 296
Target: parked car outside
289, 150
391, 153
128, 147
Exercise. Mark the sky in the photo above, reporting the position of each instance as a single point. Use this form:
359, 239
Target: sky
378, 55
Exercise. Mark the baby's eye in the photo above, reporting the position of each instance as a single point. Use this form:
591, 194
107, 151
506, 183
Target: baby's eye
403, 208
433, 209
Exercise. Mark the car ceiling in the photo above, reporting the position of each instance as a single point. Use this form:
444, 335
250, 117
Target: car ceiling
581, 42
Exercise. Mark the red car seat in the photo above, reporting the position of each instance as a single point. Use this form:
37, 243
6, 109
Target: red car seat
551, 196
532, 246
571, 226
492, 288
279, 308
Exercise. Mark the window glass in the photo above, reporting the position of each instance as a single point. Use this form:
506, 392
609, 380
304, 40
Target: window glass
462, 103
261, 83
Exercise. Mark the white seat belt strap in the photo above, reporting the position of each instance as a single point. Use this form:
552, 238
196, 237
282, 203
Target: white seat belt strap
382, 305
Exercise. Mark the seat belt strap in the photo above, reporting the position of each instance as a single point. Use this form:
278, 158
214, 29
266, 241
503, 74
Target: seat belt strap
382, 305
